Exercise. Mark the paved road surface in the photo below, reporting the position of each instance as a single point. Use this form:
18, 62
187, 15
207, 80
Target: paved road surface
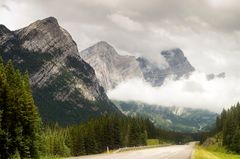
169, 152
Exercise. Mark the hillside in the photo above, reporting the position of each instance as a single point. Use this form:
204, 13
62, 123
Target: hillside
171, 118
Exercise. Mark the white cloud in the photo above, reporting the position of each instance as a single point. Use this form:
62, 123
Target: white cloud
125, 22
195, 92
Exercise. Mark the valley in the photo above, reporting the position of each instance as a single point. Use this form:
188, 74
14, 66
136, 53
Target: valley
171, 118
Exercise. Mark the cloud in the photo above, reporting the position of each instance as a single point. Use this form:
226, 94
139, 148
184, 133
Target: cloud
195, 92
125, 22
4, 6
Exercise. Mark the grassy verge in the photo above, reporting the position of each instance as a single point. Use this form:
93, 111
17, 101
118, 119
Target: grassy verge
213, 152
50, 157
152, 142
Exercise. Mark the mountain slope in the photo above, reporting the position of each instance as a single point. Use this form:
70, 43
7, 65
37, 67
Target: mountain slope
171, 118
65, 87
112, 68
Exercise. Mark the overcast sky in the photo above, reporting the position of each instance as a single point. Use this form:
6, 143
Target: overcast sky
208, 31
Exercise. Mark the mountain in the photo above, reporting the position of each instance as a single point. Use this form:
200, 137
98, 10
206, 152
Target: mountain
152, 73
178, 63
171, 118
178, 66
112, 68
65, 87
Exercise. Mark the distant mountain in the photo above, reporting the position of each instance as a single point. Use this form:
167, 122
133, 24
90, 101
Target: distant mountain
178, 66
112, 68
65, 87
151, 72
171, 118
178, 63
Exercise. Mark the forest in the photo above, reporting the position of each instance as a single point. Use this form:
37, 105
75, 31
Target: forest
228, 125
24, 135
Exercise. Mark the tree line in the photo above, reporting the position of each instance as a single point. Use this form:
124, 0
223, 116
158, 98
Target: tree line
108, 131
228, 125
97, 135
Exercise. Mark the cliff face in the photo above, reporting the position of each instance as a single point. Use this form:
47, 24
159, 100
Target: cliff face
65, 87
178, 66
111, 68
178, 63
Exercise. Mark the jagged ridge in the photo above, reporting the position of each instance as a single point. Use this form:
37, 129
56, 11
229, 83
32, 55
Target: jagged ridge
112, 68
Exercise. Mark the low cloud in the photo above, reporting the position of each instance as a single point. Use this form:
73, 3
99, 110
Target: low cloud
195, 92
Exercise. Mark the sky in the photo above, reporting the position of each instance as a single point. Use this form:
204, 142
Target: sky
208, 32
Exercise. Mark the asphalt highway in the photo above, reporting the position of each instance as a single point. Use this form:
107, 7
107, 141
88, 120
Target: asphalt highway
169, 152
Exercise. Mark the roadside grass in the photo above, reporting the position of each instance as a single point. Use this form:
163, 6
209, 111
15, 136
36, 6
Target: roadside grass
51, 157
213, 152
152, 142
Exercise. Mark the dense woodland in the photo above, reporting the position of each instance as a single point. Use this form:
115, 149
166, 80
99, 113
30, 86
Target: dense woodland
112, 131
19, 119
23, 135
228, 125
96, 135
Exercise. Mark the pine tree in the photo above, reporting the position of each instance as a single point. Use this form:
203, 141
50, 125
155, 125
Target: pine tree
19, 117
77, 141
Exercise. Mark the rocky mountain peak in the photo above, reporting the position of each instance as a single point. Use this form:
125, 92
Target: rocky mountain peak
49, 21
111, 68
46, 36
178, 63
101, 49
4, 30
172, 53
103, 44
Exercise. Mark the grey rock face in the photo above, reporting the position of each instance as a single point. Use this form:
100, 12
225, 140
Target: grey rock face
65, 87
178, 63
4, 30
178, 66
151, 72
47, 36
110, 67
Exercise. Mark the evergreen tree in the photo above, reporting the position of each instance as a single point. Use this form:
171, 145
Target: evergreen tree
77, 141
20, 121
229, 123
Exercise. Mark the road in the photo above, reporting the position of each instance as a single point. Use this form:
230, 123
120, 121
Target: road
169, 152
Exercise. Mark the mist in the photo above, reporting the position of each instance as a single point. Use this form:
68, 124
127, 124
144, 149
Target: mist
195, 92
